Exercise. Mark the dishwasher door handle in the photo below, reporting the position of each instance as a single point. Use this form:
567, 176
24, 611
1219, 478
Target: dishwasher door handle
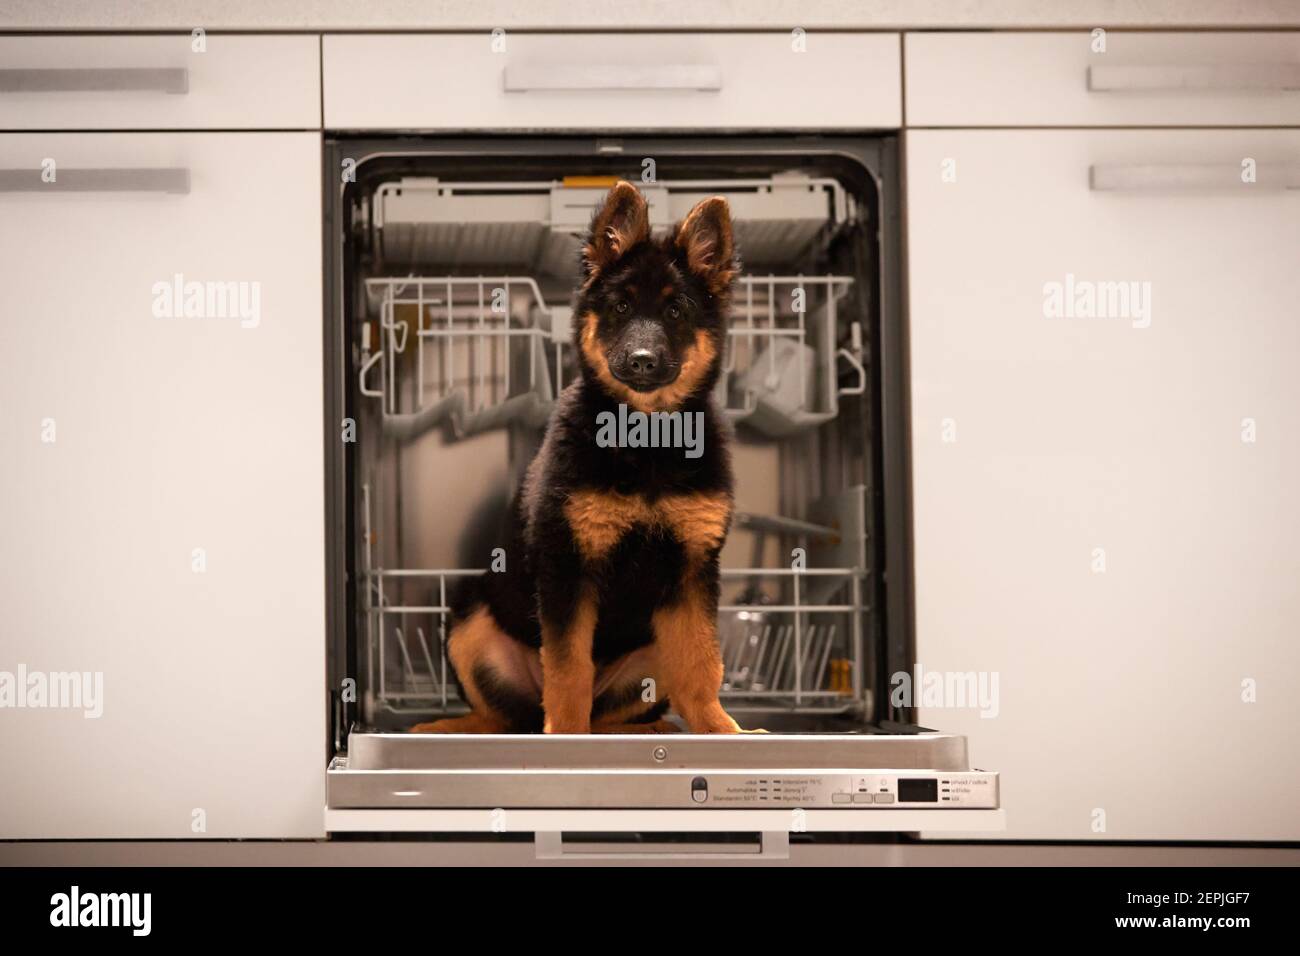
1177, 177
1250, 77
173, 180
557, 77
772, 845
174, 80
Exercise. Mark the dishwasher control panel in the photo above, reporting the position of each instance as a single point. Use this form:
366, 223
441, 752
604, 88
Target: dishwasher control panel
909, 789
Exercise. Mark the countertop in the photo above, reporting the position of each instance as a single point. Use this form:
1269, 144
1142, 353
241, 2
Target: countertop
385, 15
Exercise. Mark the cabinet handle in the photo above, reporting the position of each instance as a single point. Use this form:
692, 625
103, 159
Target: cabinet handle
1186, 178
96, 80
174, 180
549, 845
1258, 77
537, 78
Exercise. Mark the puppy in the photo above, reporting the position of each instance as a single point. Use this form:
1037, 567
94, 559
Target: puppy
605, 614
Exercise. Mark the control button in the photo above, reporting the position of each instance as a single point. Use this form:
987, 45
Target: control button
699, 789
863, 798
884, 798
841, 798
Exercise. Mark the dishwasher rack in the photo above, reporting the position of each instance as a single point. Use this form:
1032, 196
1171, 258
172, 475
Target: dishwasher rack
479, 353
792, 638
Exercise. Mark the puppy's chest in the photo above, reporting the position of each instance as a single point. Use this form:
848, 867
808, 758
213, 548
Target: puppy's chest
599, 520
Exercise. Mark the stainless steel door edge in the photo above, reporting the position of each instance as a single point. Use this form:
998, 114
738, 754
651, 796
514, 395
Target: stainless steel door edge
378, 751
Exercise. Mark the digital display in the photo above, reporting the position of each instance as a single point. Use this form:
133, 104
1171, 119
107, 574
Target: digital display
918, 791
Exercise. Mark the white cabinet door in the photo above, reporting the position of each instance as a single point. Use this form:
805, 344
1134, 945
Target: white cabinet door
1105, 411
612, 81
162, 486
1166, 78
159, 82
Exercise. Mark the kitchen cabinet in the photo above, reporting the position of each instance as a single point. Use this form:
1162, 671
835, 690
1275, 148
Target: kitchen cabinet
1103, 78
187, 81
163, 484
669, 81
1104, 407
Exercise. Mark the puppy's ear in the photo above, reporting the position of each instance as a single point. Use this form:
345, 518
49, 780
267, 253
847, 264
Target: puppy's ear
620, 224
704, 239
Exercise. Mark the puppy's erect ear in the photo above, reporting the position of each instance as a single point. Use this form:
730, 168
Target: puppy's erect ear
704, 237
620, 224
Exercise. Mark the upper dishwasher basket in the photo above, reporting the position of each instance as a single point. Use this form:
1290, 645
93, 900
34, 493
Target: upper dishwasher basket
478, 353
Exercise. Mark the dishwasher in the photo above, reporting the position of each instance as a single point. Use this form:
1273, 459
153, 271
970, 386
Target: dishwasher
451, 269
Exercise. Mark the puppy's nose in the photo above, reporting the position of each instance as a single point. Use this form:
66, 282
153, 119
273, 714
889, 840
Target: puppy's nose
642, 362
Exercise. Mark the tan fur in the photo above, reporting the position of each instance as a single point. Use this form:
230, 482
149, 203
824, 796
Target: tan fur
622, 715
705, 236
474, 723
696, 364
685, 637
475, 639
622, 222
568, 671
630, 671
655, 727
600, 519
688, 661
698, 521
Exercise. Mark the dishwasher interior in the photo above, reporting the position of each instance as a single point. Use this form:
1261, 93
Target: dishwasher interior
458, 268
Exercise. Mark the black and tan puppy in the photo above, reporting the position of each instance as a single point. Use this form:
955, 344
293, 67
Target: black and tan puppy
607, 609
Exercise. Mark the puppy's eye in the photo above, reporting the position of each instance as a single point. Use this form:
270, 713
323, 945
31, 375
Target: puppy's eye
622, 308
674, 312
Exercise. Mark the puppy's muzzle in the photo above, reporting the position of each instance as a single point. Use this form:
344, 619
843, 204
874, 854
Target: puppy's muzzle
641, 358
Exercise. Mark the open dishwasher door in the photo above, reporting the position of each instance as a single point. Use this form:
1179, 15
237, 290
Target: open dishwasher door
864, 781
